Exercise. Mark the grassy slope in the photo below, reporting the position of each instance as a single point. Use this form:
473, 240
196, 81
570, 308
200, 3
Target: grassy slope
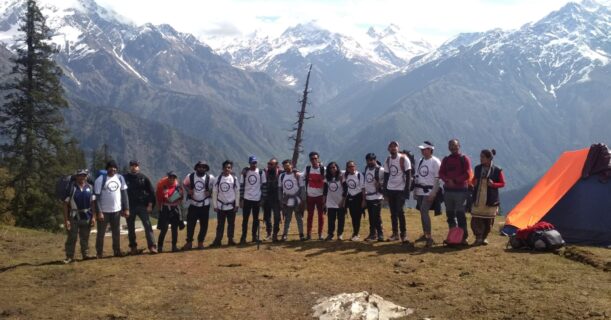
283, 281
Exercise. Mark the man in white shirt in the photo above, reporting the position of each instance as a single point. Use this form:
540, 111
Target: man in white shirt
426, 188
374, 178
111, 202
313, 180
252, 189
198, 185
225, 197
289, 194
397, 175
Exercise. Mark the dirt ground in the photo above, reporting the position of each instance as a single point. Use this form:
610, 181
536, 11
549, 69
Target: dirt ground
284, 280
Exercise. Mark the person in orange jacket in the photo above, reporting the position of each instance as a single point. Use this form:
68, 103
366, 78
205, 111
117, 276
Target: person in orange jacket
169, 197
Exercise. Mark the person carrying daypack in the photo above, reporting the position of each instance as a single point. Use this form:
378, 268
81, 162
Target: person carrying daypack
374, 178
78, 215
426, 187
354, 186
455, 172
169, 197
397, 174
111, 202
488, 179
198, 187
335, 199
225, 201
271, 203
313, 180
141, 194
290, 192
253, 188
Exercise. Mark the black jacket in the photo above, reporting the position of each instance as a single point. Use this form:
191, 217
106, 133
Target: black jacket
140, 190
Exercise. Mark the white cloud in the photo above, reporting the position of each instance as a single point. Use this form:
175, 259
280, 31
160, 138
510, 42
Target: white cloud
434, 20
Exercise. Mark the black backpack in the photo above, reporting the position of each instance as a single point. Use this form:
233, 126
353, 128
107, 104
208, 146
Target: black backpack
65, 184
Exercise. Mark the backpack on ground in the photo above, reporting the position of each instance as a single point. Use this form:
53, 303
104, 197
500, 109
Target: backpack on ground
455, 236
542, 236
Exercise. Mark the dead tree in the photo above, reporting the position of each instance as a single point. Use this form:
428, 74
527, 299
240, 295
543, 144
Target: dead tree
301, 117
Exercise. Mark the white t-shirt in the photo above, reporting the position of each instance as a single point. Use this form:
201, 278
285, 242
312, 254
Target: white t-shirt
426, 174
290, 185
199, 189
355, 183
396, 179
227, 192
316, 181
371, 190
109, 198
334, 193
252, 184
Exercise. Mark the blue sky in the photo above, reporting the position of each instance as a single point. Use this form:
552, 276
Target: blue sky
432, 20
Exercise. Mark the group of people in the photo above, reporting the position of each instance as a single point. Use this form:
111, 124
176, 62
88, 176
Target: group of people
283, 193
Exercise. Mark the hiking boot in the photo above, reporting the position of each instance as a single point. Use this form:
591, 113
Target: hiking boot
309, 237
159, 249
275, 239
320, 237
329, 237
153, 250
477, 242
404, 239
242, 241
429, 243
268, 237
133, 251
99, 255
118, 254
381, 239
485, 242
422, 238
370, 237
355, 238
68, 260
187, 246
88, 257
175, 249
231, 242
215, 244
200, 245
340, 237
284, 237
393, 237
408, 244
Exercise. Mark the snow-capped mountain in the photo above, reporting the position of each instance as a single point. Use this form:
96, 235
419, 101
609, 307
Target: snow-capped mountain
339, 61
531, 93
162, 76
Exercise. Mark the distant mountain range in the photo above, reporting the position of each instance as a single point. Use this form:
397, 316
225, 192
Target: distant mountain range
154, 92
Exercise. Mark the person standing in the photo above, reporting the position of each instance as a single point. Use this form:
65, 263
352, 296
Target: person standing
374, 177
141, 196
354, 184
198, 186
169, 198
253, 188
78, 216
225, 197
334, 195
111, 202
455, 172
426, 188
271, 203
397, 174
289, 194
313, 179
487, 179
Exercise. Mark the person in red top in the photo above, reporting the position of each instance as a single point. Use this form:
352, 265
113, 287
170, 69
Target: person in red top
169, 196
488, 179
455, 172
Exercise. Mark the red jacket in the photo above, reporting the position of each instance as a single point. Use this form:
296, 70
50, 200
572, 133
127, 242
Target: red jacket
455, 171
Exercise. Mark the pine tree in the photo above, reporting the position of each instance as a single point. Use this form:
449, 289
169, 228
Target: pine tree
32, 123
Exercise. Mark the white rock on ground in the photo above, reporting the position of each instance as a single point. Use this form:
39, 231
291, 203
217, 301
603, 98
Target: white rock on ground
358, 306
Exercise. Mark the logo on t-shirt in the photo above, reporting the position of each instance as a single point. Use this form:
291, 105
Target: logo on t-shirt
252, 179
333, 186
351, 184
112, 186
225, 186
288, 184
394, 170
199, 186
423, 171
369, 178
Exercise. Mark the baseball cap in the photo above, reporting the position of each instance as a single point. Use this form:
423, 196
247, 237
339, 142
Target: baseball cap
427, 145
201, 163
82, 172
172, 174
252, 159
134, 163
393, 142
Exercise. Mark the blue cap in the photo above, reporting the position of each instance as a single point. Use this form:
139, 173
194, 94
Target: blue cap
252, 159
